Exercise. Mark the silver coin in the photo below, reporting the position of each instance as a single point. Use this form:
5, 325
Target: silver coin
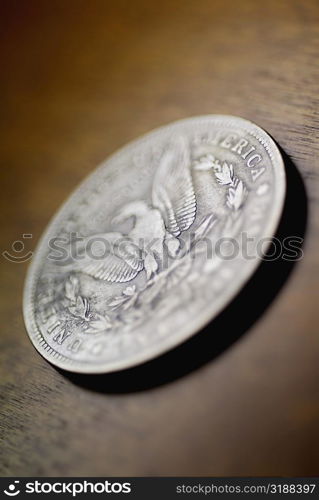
154, 244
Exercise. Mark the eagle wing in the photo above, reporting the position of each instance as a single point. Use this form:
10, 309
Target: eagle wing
121, 263
173, 191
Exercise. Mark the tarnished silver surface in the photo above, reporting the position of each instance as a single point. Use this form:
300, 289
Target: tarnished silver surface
154, 244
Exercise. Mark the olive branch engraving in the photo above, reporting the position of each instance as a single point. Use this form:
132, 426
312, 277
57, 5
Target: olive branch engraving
236, 195
79, 307
127, 299
224, 174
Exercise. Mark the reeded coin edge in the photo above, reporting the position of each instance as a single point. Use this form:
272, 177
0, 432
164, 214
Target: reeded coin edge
191, 328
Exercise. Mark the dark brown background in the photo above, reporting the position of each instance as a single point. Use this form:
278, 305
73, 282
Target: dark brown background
78, 80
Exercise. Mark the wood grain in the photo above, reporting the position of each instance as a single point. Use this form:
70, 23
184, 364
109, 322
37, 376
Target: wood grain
78, 80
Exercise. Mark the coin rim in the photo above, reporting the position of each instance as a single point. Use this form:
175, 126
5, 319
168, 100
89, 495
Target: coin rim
191, 328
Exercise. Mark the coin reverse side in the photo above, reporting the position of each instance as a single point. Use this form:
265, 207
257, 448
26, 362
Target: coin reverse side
153, 244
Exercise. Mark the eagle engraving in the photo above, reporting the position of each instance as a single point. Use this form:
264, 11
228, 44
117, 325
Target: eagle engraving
172, 210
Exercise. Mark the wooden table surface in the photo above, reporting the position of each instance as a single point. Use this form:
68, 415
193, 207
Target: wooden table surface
81, 78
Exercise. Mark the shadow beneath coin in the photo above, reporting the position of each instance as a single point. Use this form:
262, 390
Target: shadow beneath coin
255, 297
